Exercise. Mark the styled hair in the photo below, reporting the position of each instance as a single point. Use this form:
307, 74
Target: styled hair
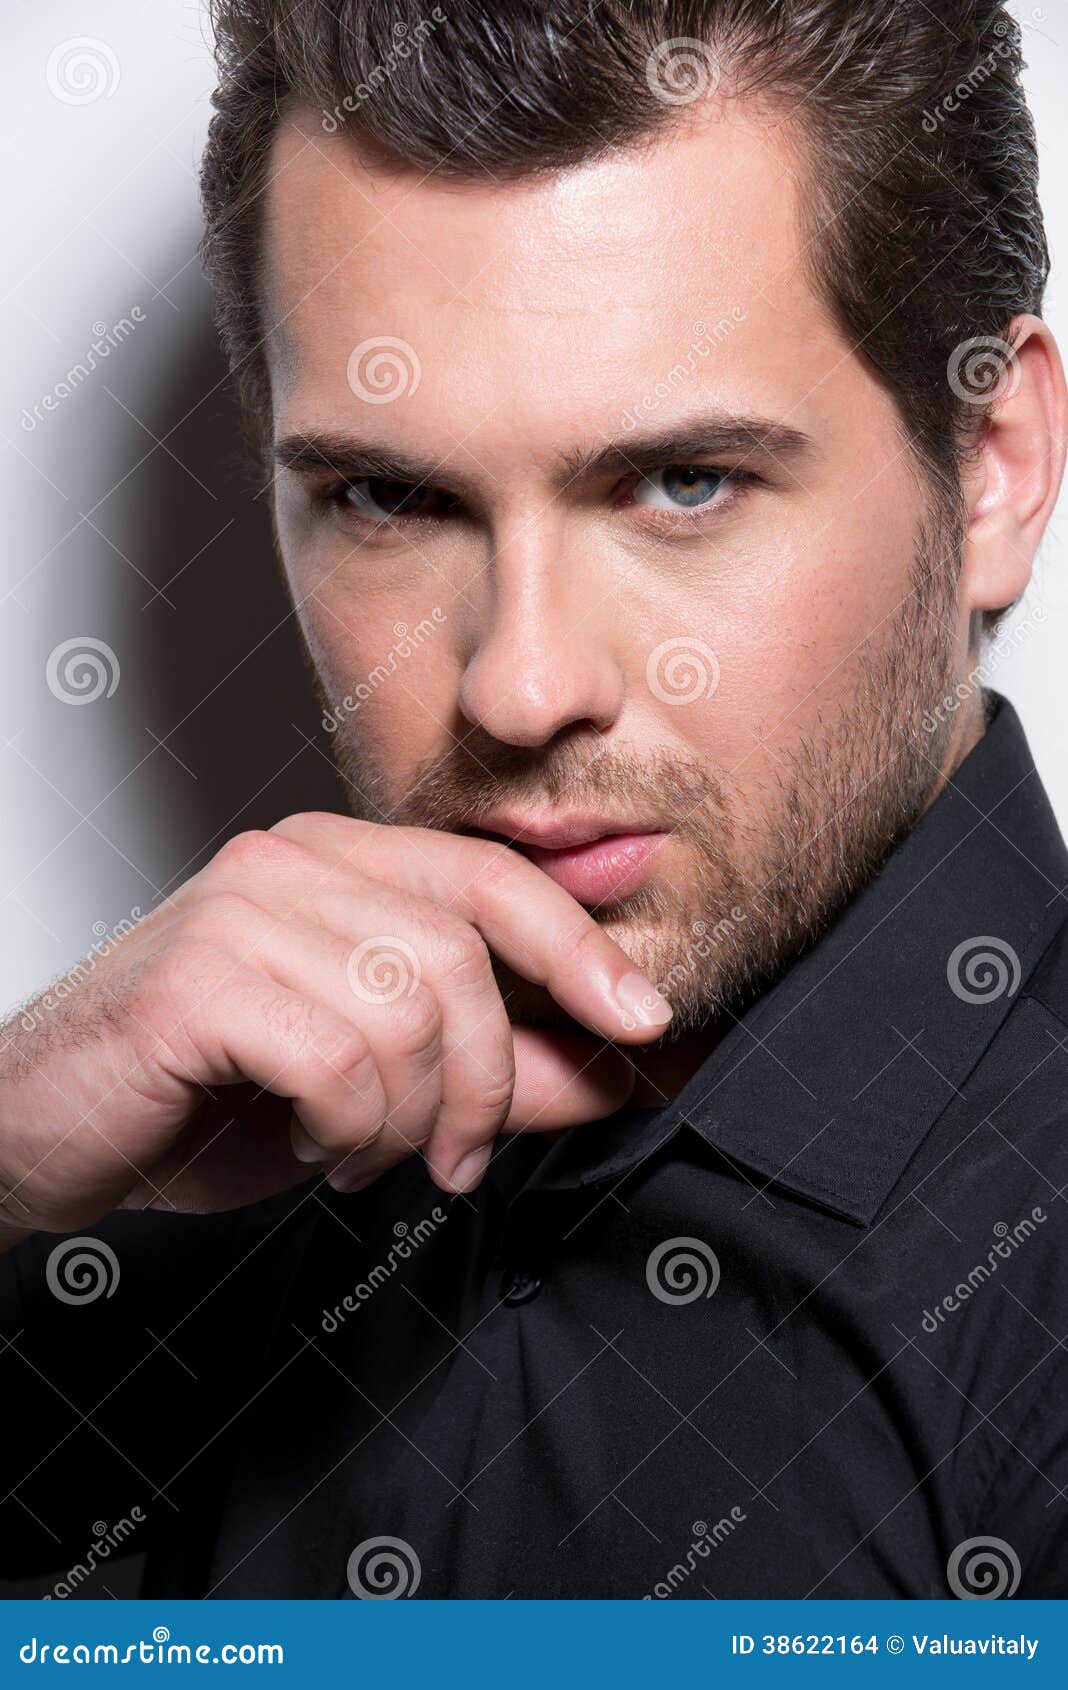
919, 168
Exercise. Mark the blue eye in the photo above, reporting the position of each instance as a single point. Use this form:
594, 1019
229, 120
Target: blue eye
680, 487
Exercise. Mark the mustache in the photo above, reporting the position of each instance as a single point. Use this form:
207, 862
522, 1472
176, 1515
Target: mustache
454, 789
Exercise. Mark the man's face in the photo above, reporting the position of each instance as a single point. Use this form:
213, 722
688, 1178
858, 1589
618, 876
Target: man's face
608, 522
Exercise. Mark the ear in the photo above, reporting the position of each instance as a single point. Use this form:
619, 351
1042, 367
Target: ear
1011, 488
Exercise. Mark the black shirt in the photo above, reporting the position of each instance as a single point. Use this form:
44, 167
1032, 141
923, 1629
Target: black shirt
802, 1332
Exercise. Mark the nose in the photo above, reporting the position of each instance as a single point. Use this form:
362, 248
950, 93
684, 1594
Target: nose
541, 655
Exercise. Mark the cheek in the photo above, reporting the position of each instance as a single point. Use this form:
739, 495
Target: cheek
793, 636
388, 679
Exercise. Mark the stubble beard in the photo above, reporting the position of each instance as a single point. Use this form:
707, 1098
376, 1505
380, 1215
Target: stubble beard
745, 897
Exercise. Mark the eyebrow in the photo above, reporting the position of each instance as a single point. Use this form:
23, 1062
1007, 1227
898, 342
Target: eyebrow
737, 438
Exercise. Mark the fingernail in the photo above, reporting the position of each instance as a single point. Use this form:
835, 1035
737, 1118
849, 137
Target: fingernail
305, 1148
641, 1003
469, 1170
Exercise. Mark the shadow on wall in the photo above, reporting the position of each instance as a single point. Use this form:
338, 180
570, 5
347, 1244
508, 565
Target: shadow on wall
219, 672
226, 667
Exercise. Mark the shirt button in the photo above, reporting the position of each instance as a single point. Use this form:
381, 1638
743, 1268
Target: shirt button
520, 1286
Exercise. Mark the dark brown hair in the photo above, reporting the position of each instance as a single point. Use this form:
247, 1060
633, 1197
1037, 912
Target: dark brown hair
921, 193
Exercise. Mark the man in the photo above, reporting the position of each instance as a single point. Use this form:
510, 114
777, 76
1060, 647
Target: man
626, 1155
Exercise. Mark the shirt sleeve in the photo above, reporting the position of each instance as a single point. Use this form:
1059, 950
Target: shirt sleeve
126, 1356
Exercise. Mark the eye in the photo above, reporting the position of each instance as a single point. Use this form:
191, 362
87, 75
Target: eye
379, 500
682, 487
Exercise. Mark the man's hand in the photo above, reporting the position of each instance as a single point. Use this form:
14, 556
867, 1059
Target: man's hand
339, 973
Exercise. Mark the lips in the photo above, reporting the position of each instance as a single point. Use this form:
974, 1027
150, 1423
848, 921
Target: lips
593, 858
601, 869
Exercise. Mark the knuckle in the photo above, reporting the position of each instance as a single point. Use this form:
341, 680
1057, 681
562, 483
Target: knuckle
572, 943
311, 827
494, 1098
462, 957
367, 1130
324, 1044
498, 865
416, 1023
256, 853
244, 850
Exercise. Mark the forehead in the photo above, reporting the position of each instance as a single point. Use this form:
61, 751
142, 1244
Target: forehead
577, 289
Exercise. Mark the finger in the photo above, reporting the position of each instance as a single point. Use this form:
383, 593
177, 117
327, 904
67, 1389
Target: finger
401, 1020
240, 1024
525, 917
421, 986
564, 1079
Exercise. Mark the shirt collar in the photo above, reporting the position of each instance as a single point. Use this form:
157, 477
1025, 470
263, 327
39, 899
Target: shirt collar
827, 1085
